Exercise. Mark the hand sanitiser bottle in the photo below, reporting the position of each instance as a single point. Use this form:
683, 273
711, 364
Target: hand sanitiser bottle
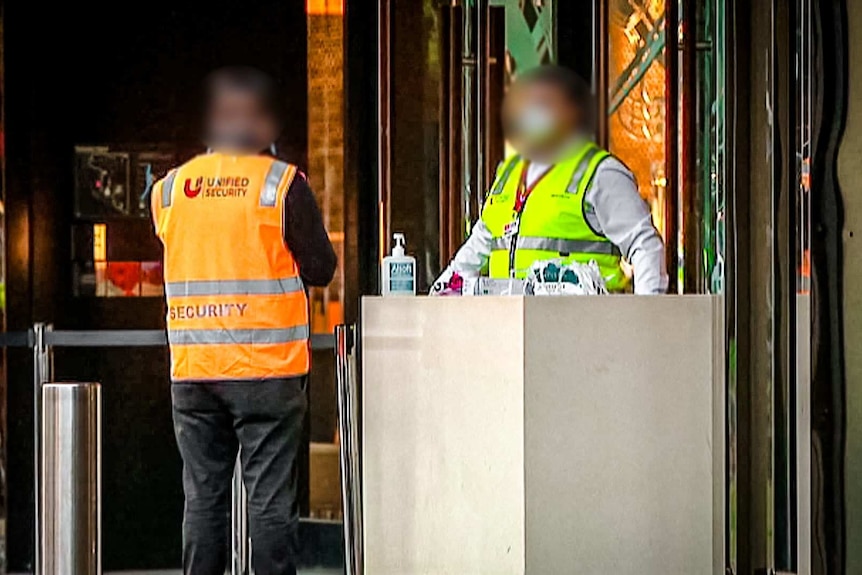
399, 270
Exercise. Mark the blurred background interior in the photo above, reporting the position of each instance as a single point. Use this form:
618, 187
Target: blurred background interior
729, 112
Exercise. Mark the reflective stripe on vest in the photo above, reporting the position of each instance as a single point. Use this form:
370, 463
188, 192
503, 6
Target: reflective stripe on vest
583, 166
558, 245
168, 188
243, 336
268, 195
237, 307
233, 287
503, 176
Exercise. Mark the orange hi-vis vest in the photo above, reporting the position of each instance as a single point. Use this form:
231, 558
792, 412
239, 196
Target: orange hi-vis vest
237, 309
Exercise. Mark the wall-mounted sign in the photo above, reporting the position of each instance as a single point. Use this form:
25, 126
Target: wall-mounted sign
116, 183
101, 182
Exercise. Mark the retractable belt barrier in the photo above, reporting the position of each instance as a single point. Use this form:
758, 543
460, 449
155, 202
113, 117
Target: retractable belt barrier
116, 338
43, 339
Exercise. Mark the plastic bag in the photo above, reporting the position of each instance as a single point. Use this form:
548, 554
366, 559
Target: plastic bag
553, 278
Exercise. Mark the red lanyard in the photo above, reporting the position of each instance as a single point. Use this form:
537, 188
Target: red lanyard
524, 190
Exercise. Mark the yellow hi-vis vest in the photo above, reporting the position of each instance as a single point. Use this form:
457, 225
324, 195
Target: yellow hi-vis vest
552, 223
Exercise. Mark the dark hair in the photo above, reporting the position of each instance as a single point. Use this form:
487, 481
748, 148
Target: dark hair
575, 89
246, 80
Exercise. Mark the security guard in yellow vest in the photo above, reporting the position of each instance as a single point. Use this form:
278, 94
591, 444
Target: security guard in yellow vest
561, 196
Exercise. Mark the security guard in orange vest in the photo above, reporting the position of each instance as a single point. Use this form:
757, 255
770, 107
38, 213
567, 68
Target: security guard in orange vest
243, 238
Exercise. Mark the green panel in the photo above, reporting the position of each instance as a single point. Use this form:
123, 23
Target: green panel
530, 31
640, 64
712, 162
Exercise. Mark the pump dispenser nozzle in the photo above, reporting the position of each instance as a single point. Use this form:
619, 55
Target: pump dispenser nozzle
398, 250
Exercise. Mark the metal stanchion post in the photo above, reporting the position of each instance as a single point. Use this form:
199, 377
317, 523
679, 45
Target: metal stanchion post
241, 555
353, 405
344, 447
43, 338
348, 432
42, 368
71, 479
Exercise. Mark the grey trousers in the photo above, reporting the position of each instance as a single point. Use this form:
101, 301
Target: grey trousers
211, 421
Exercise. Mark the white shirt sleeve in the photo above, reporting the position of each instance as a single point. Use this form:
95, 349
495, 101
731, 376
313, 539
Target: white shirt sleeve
471, 259
615, 208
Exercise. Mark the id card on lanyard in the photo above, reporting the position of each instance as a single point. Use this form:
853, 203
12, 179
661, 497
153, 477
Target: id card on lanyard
512, 229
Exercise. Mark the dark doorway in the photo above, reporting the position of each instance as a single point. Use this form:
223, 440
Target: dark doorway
89, 74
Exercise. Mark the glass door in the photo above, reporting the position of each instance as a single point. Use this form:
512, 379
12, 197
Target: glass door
445, 70
662, 88
694, 96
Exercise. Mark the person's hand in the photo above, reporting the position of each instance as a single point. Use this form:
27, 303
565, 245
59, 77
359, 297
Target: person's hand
448, 283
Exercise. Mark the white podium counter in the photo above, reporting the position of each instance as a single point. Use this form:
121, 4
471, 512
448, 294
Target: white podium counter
511, 435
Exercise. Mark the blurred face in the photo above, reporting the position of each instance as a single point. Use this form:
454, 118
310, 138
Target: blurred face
538, 118
238, 122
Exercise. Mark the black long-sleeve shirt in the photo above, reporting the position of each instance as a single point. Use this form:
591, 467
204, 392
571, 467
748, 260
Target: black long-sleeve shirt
306, 236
